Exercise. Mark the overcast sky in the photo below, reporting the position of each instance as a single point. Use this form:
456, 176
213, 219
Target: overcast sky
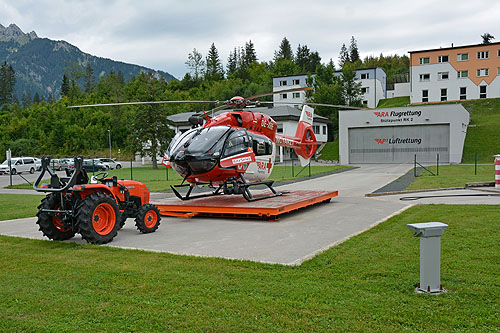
161, 33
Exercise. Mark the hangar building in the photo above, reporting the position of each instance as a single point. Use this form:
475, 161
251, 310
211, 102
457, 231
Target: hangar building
395, 135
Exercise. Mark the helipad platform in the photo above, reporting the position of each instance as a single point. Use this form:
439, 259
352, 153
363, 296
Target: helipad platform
237, 206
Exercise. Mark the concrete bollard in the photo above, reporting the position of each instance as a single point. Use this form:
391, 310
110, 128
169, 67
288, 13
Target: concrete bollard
497, 172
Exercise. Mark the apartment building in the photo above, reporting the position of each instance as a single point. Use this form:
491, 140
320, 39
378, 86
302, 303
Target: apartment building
373, 86
455, 73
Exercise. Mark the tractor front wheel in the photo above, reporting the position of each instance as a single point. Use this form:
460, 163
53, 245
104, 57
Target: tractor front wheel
148, 218
98, 218
52, 225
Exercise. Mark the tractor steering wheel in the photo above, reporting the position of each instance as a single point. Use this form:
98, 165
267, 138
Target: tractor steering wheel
100, 176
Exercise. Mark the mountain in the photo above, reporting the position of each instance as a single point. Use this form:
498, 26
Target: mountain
40, 63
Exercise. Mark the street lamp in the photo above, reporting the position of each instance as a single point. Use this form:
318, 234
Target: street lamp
109, 136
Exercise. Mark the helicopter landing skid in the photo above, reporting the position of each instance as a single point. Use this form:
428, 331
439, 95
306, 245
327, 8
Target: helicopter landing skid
233, 186
188, 196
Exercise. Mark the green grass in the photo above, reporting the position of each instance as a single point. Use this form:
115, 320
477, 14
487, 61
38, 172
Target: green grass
394, 102
157, 181
16, 206
452, 176
364, 284
330, 152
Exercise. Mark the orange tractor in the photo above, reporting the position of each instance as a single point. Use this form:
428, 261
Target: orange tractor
97, 210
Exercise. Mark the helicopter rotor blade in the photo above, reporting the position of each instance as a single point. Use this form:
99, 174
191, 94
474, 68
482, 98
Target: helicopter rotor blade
319, 104
278, 92
138, 103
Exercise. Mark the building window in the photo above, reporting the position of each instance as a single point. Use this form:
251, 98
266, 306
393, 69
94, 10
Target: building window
282, 83
364, 90
316, 129
296, 95
443, 75
483, 54
296, 82
482, 72
324, 130
444, 94
365, 76
365, 103
462, 57
425, 61
463, 92
279, 128
425, 77
443, 58
425, 96
499, 53
482, 91
462, 74
498, 71
283, 96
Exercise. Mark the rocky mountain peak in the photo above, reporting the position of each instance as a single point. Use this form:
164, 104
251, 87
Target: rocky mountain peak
14, 33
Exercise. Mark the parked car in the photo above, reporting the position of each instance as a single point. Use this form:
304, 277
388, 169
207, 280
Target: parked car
38, 163
19, 165
66, 163
111, 163
92, 165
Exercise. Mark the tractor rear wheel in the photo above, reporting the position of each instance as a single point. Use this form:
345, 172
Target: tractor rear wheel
52, 226
98, 218
148, 218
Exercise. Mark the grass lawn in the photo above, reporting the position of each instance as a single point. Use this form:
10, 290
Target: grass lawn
330, 152
16, 206
157, 181
394, 102
452, 176
364, 284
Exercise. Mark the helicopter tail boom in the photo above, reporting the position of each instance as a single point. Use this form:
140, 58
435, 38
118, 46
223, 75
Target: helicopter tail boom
304, 143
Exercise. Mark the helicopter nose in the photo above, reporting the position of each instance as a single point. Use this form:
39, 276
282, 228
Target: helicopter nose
187, 164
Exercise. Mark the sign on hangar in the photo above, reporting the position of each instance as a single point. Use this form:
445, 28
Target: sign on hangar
396, 135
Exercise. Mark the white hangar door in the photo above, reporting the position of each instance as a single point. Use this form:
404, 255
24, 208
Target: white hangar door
399, 144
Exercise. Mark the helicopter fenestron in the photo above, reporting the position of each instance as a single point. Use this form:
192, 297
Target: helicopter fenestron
234, 150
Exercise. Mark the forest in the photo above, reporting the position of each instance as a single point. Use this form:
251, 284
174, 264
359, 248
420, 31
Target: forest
45, 125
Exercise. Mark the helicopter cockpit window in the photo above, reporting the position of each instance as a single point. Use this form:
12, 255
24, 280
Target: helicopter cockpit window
238, 142
261, 145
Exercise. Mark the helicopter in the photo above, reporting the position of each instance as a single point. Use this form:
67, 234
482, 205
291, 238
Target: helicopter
234, 150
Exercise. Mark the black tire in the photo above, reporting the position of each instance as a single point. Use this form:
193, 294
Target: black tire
14, 171
147, 219
123, 219
51, 226
97, 217
32, 170
118, 166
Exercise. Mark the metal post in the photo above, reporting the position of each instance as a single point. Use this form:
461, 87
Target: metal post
109, 135
437, 165
309, 168
415, 166
9, 162
293, 172
475, 164
131, 170
166, 170
93, 167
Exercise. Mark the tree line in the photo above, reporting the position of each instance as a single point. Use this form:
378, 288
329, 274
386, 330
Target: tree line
47, 126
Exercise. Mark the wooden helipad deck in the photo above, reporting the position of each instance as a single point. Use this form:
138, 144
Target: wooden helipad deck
237, 206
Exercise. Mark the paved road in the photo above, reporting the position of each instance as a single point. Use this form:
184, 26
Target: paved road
293, 239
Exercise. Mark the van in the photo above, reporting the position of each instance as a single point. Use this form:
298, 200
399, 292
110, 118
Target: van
19, 165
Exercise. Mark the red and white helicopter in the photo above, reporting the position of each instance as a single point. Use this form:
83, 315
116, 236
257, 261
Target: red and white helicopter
236, 149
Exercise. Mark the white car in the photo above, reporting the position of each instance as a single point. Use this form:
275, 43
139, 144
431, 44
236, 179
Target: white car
111, 164
19, 165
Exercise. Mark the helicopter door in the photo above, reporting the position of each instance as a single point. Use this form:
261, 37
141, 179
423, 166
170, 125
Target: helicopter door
237, 150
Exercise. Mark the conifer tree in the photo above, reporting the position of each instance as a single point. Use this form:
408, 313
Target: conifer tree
353, 50
232, 62
89, 79
7, 83
250, 55
343, 56
302, 57
214, 70
65, 85
284, 51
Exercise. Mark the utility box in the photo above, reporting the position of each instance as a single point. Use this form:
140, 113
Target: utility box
430, 255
